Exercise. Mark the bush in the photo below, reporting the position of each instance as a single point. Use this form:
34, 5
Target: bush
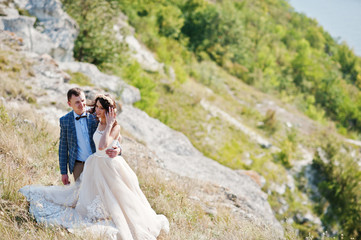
96, 42
79, 78
170, 21
270, 124
136, 77
339, 182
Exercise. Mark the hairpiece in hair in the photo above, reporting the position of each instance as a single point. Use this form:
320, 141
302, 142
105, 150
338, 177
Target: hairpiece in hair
107, 98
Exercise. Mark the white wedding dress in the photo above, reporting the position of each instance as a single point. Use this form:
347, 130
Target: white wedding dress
105, 201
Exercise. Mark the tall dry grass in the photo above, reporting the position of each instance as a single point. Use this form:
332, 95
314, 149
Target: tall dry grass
27, 155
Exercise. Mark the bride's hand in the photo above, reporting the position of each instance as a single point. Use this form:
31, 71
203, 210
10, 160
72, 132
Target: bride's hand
110, 116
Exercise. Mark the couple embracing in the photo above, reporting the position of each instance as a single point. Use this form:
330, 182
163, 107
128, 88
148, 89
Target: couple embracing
105, 198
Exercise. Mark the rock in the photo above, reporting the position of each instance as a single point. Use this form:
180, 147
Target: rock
32, 39
139, 52
231, 196
280, 189
180, 157
260, 180
290, 183
354, 142
210, 210
215, 111
129, 94
284, 207
8, 11
322, 154
308, 217
171, 74
58, 28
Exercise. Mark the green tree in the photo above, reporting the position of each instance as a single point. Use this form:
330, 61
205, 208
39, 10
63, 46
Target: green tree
340, 182
170, 21
96, 42
349, 63
315, 37
201, 20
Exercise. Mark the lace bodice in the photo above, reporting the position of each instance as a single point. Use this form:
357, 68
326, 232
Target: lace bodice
96, 137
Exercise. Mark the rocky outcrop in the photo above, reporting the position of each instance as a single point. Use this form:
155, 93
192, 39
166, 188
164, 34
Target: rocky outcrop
129, 94
246, 130
178, 155
32, 39
136, 50
54, 34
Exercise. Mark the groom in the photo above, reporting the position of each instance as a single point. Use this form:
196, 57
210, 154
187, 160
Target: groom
76, 137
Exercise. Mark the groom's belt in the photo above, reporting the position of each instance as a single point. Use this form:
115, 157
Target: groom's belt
79, 161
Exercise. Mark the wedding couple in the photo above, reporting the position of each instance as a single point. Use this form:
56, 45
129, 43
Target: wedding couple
105, 198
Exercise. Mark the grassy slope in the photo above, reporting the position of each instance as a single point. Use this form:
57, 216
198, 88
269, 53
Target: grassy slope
179, 106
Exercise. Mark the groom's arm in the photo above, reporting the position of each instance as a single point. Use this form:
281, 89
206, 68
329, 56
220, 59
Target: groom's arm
116, 150
63, 153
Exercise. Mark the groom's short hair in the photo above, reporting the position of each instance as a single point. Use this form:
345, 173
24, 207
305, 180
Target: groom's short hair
74, 91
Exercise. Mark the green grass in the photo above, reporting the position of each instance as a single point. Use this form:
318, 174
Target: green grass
79, 79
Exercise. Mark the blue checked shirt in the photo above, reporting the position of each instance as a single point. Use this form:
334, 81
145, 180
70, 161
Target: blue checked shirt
82, 136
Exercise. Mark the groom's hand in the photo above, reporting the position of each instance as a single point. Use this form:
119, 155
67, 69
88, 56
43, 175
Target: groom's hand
65, 179
113, 152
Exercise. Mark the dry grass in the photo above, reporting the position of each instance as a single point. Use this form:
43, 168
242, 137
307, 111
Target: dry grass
27, 155
183, 201
14, 68
188, 220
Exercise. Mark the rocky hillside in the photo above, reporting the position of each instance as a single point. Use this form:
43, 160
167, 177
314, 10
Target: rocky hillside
271, 158
44, 37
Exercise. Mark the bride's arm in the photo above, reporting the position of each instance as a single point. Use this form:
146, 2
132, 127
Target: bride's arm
110, 133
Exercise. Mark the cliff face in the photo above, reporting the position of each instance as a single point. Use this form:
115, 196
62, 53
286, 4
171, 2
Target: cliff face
49, 48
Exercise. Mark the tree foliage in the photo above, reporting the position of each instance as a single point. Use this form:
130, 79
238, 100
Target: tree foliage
96, 41
340, 182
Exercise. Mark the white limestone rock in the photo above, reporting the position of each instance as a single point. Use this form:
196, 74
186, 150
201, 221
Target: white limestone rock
129, 94
56, 25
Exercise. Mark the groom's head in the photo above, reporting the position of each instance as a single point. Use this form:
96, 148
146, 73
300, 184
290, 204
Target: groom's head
76, 100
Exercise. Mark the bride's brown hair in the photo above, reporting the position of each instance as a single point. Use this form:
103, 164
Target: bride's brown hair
106, 100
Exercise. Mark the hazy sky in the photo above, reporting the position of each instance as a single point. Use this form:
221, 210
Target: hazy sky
341, 18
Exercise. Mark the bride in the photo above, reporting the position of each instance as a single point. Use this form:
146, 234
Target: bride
106, 199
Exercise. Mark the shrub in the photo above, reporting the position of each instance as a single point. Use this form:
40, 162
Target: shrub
96, 42
136, 77
339, 182
79, 78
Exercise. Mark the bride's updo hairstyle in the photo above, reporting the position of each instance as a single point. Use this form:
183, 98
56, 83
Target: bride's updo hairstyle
106, 101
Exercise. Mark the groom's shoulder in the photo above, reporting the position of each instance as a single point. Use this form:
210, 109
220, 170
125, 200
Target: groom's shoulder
66, 117
91, 116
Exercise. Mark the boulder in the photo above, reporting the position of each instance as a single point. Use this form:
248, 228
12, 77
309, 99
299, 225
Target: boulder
129, 94
138, 51
179, 156
32, 39
55, 25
